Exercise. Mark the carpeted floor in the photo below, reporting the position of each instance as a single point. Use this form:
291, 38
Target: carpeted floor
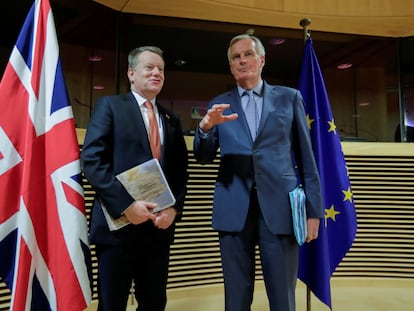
347, 295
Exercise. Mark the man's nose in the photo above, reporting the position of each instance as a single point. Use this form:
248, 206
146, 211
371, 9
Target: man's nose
156, 70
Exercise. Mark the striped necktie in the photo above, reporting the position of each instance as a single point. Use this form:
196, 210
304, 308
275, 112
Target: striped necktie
154, 133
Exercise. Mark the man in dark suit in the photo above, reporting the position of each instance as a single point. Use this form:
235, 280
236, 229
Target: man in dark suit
257, 172
117, 139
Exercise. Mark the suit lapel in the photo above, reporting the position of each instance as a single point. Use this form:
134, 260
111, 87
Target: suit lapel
269, 105
134, 112
237, 108
165, 120
167, 127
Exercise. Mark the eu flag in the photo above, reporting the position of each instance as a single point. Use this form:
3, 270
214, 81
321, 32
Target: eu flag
319, 259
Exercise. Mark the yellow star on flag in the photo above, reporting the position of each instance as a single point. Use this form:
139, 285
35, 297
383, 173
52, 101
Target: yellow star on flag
332, 126
348, 194
310, 121
331, 213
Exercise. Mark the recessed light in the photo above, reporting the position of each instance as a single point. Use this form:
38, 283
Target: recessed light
277, 41
344, 66
95, 58
180, 62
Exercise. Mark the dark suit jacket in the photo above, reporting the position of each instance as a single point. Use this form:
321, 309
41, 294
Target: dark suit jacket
269, 162
116, 140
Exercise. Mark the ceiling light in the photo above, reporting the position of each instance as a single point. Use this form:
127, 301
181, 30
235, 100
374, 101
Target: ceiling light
180, 62
277, 41
98, 87
344, 66
95, 58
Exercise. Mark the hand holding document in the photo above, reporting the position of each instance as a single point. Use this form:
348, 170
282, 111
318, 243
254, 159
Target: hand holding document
144, 182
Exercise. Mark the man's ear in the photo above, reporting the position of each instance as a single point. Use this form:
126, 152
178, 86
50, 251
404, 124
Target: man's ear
130, 74
262, 59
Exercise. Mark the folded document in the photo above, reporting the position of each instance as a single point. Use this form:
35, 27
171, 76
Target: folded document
298, 204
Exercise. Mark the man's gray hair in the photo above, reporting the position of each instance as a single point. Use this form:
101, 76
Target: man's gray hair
133, 55
260, 50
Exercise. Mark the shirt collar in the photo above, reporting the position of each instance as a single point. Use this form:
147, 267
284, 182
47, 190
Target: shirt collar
258, 89
141, 100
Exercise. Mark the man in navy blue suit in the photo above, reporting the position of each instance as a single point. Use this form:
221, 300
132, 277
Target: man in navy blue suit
262, 155
117, 139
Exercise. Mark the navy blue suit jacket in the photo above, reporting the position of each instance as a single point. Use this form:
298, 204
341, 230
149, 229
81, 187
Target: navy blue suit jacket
283, 138
116, 140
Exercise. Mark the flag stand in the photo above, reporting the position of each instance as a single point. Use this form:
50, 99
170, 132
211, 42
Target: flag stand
305, 24
308, 299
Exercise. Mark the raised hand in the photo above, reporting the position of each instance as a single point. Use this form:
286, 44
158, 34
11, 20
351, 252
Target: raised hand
215, 116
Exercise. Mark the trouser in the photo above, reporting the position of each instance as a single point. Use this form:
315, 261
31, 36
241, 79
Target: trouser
279, 262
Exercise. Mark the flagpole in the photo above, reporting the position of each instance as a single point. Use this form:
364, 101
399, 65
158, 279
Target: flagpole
308, 299
305, 24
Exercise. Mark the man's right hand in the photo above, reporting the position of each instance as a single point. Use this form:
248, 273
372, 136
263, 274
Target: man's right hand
139, 212
215, 116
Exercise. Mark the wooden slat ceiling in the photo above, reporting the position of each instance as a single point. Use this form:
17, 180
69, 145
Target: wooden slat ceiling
198, 31
385, 18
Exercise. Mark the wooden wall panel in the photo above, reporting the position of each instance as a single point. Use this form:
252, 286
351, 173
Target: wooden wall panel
370, 103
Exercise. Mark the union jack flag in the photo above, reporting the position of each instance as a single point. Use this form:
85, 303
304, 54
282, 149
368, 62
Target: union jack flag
44, 251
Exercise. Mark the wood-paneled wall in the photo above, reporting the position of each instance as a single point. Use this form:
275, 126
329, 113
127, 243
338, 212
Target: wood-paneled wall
347, 89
